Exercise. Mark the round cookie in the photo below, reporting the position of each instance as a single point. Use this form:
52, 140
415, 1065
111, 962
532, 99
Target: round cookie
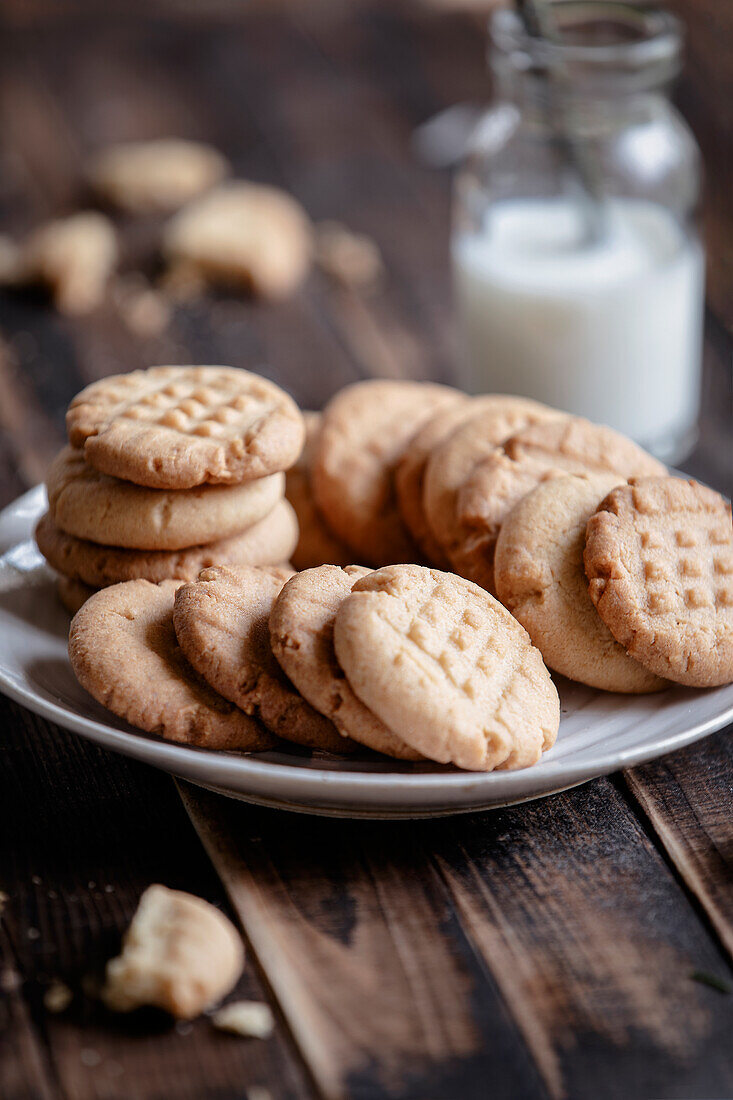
268, 542
243, 234
222, 625
90, 505
301, 635
73, 594
124, 652
659, 560
316, 544
365, 430
178, 427
540, 578
447, 667
451, 464
544, 450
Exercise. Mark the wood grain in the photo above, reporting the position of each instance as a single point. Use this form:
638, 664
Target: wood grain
571, 911
84, 833
592, 944
688, 798
354, 933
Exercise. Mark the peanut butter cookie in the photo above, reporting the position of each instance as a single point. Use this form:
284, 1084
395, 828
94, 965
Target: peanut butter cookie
178, 427
659, 559
365, 430
102, 509
124, 652
446, 667
268, 542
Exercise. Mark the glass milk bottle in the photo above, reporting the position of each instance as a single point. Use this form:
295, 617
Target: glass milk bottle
607, 326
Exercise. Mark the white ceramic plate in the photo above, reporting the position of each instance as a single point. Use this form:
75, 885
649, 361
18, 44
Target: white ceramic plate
599, 732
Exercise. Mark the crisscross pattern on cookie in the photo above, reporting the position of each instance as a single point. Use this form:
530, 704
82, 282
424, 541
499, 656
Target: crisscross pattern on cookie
456, 675
180, 426
659, 557
215, 408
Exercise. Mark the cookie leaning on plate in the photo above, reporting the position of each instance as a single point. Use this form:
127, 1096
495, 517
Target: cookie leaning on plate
301, 635
178, 427
269, 541
222, 625
103, 509
540, 578
659, 560
447, 668
364, 432
123, 650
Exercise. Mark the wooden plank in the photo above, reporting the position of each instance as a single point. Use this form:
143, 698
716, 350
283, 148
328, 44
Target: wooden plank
688, 798
355, 935
32, 436
84, 832
592, 943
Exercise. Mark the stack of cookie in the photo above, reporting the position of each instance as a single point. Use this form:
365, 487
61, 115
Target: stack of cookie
170, 470
405, 660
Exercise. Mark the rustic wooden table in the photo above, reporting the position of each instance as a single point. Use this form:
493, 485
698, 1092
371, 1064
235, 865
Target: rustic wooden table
545, 950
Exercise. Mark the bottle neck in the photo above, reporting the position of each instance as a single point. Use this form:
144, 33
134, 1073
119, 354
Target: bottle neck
587, 110
605, 60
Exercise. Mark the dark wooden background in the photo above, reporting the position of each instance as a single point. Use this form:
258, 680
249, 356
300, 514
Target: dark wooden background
547, 950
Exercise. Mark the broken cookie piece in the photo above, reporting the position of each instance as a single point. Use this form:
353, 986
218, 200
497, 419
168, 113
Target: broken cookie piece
72, 256
179, 954
242, 234
160, 175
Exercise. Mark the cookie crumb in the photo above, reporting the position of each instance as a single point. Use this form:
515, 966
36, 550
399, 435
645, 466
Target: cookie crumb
251, 1019
57, 997
349, 258
143, 309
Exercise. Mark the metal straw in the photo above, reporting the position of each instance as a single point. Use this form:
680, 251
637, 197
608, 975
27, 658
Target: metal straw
540, 24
